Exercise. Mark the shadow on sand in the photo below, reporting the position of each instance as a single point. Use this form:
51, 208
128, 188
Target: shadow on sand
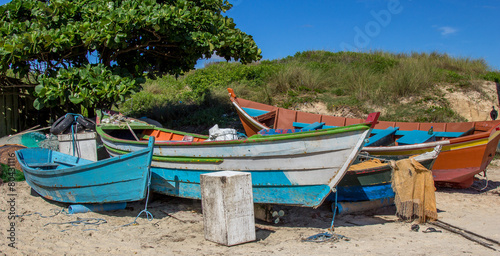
190, 211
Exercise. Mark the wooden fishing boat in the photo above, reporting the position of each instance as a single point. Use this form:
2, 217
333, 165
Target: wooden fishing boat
291, 169
370, 179
467, 147
69, 179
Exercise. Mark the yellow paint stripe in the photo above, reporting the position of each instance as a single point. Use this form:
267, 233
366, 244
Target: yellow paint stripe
457, 146
467, 144
494, 135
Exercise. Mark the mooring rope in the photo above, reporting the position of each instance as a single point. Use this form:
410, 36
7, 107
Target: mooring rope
366, 155
74, 129
325, 237
487, 181
329, 235
334, 210
149, 215
81, 221
55, 211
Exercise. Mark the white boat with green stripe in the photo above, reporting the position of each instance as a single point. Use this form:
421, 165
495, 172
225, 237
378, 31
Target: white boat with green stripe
298, 168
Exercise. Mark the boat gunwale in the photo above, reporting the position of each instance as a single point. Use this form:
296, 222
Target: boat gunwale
83, 167
250, 140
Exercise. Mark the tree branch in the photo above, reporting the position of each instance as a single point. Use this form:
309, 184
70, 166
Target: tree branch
143, 46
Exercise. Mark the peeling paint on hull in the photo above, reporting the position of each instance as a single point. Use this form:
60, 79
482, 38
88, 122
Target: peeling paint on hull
298, 171
68, 179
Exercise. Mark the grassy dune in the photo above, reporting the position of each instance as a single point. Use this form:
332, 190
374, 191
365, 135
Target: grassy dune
360, 81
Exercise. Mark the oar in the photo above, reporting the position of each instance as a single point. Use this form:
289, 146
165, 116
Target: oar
132, 131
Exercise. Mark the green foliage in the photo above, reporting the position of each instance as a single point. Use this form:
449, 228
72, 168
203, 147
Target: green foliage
493, 76
454, 77
7, 177
185, 115
198, 98
222, 75
38, 39
346, 101
91, 86
421, 113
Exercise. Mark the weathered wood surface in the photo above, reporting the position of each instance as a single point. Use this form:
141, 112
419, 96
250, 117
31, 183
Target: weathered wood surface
228, 213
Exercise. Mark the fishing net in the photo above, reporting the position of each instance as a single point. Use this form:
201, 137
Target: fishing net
414, 188
372, 163
7, 156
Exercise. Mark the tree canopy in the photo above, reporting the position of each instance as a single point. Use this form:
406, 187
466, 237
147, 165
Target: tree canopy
96, 53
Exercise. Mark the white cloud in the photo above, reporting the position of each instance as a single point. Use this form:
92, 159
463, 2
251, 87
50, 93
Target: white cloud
447, 30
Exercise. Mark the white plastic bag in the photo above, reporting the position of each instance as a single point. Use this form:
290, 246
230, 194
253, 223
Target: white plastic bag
217, 134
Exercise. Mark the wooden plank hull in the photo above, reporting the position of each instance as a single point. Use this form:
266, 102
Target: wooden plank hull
460, 159
290, 169
68, 179
362, 193
373, 183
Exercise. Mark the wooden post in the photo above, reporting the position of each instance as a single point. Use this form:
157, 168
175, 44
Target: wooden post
227, 203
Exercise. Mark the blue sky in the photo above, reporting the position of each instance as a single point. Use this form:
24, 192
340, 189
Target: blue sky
460, 28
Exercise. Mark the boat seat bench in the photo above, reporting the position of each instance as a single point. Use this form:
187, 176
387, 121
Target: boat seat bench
416, 137
43, 165
387, 130
318, 125
313, 126
254, 112
379, 135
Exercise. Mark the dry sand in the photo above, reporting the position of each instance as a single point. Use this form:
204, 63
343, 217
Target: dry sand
177, 228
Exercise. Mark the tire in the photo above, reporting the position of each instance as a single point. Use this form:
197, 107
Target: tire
85, 122
62, 124
76, 126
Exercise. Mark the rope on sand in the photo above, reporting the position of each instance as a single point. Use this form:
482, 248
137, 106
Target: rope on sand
328, 236
55, 211
485, 186
81, 221
325, 237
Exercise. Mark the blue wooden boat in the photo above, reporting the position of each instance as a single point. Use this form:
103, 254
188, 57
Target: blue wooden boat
369, 180
69, 179
367, 184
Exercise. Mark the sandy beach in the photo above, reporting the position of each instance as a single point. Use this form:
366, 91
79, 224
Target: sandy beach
44, 228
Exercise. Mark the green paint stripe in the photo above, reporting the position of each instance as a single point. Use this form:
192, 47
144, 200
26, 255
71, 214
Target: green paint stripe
335, 130
253, 139
172, 159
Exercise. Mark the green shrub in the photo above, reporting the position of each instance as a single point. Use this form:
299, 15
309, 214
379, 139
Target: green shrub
492, 76
6, 177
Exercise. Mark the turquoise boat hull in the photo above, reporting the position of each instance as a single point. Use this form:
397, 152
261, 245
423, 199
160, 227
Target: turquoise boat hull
269, 187
69, 179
